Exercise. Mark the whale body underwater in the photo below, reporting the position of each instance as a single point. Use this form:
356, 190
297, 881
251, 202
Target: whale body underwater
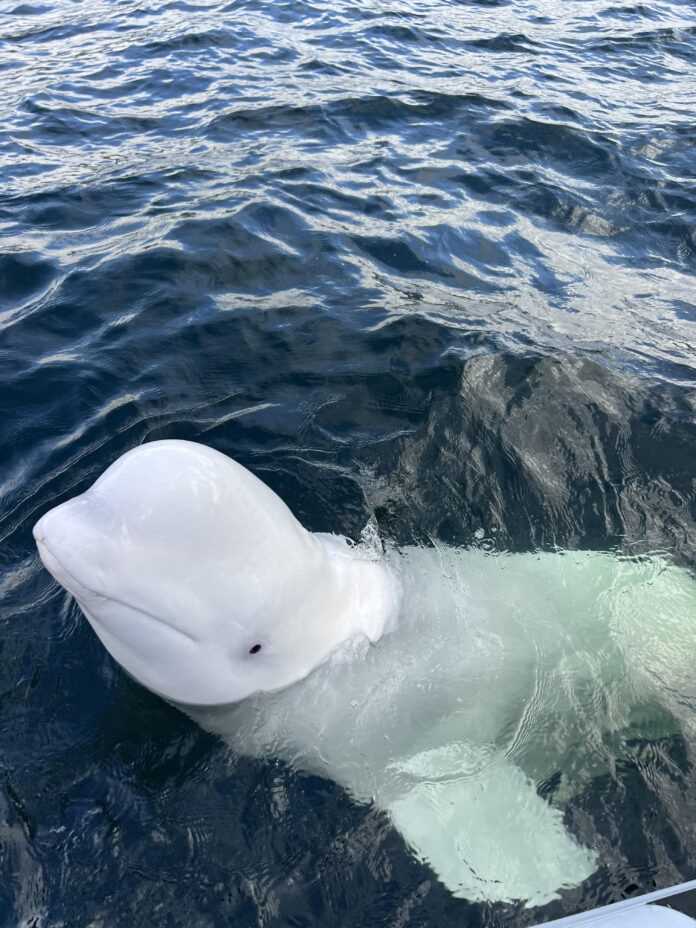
440, 684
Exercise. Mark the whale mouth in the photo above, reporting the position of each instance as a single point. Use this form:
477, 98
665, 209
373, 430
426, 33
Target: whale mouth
58, 570
79, 590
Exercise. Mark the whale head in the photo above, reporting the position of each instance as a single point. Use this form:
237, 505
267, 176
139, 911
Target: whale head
201, 583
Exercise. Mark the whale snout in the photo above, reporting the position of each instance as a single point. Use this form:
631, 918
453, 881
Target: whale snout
48, 526
52, 530
70, 543
39, 531
52, 535
57, 529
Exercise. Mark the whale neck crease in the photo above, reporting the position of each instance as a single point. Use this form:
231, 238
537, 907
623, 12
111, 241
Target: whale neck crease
368, 588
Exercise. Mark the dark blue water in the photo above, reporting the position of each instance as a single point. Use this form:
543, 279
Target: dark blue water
429, 262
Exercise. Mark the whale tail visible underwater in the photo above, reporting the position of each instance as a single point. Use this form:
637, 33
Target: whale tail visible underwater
440, 684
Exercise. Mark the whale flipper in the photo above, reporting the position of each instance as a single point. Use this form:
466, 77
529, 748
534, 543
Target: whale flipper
488, 836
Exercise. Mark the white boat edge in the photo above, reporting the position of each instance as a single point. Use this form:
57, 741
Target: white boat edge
665, 908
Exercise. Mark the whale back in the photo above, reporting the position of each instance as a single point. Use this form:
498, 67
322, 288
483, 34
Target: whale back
504, 672
486, 643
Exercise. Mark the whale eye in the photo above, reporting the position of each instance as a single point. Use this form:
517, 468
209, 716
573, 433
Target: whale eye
254, 649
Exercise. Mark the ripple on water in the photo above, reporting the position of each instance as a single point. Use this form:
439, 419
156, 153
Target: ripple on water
425, 264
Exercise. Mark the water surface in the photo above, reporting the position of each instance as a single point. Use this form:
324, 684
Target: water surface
431, 264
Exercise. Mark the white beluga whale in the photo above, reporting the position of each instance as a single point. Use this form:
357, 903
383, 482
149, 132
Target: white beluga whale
441, 684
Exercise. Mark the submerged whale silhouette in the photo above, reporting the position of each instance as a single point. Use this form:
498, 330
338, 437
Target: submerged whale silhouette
441, 684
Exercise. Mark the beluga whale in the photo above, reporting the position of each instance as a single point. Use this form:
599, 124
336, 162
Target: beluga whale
443, 685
